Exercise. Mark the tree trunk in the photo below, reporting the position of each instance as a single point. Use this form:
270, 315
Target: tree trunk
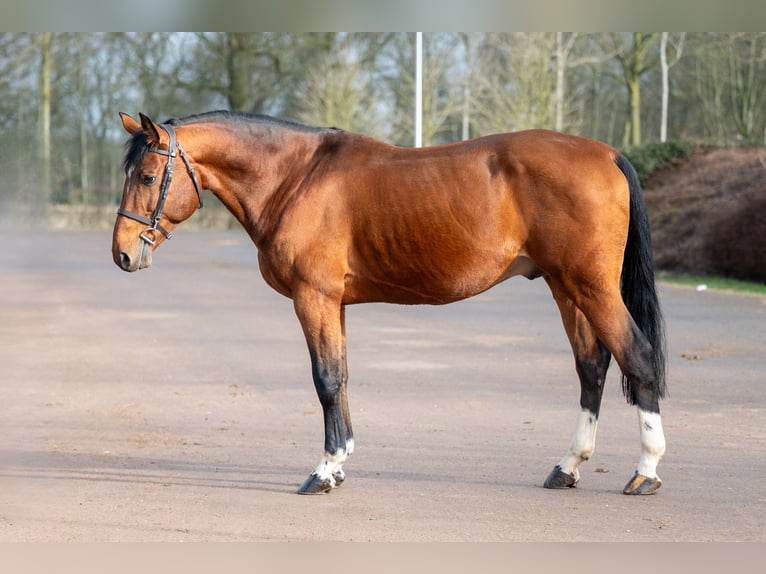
561, 66
665, 87
46, 67
82, 101
666, 64
633, 80
239, 64
469, 63
634, 88
634, 65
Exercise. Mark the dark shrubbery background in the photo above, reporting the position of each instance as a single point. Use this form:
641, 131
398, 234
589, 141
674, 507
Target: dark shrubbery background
736, 240
707, 208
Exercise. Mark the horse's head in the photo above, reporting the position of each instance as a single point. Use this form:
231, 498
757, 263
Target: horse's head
154, 202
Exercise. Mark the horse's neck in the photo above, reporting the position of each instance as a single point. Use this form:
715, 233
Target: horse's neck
245, 171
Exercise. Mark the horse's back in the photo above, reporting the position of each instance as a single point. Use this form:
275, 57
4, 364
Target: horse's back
439, 224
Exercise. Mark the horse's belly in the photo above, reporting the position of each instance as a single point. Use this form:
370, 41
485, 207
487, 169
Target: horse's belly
430, 286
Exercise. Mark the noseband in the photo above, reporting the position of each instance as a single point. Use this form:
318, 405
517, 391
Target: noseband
167, 177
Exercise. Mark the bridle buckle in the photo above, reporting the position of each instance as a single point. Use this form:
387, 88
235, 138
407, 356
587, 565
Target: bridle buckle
144, 235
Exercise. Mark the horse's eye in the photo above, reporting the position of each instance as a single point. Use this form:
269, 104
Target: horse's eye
148, 179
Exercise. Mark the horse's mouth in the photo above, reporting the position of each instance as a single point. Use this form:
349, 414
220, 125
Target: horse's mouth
133, 263
146, 255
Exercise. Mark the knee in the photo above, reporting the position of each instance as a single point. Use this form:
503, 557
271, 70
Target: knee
328, 392
328, 385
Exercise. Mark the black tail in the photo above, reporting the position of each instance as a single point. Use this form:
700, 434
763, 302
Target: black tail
638, 289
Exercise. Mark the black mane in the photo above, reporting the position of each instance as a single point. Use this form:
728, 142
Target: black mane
243, 117
136, 146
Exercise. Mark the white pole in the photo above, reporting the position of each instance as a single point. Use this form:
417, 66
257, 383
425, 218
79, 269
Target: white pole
418, 89
665, 87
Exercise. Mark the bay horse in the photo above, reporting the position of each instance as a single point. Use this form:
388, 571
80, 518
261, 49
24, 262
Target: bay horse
339, 218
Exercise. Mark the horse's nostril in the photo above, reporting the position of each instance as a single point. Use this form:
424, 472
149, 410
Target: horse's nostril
124, 260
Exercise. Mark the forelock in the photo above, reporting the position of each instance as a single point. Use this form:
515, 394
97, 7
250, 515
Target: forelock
135, 150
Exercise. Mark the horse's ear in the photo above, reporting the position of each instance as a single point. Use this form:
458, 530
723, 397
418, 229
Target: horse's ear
151, 131
131, 126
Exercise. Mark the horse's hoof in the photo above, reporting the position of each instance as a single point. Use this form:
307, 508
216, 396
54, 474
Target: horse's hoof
560, 479
339, 477
315, 485
641, 484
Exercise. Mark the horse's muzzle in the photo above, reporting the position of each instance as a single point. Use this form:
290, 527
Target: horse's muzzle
140, 259
127, 263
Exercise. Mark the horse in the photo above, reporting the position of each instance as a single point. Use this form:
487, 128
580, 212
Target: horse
339, 218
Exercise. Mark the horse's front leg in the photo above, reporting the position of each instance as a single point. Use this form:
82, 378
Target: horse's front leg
323, 322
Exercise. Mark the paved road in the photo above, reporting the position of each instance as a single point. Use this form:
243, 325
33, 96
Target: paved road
176, 404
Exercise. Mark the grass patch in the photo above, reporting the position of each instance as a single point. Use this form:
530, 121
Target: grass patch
716, 283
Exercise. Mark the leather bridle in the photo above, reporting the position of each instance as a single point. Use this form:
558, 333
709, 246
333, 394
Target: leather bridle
167, 177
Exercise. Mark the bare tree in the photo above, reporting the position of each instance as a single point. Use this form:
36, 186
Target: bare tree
19, 157
470, 42
727, 73
747, 73
59, 93
566, 58
515, 82
341, 89
666, 64
709, 79
242, 67
634, 55
440, 100
45, 40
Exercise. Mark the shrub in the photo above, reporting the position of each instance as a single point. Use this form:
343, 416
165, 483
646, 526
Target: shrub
651, 157
736, 239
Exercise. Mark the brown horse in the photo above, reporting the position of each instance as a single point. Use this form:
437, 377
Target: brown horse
339, 218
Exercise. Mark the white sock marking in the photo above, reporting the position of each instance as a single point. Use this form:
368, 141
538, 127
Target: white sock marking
332, 464
582, 444
652, 442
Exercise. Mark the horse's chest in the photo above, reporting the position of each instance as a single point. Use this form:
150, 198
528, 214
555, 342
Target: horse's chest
275, 275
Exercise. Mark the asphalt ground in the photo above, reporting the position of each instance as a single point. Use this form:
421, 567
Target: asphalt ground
175, 404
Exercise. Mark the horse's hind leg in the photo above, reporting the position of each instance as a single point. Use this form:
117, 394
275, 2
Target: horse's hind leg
641, 390
633, 353
615, 328
591, 361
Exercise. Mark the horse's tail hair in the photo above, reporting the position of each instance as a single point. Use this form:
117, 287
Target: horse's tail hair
638, 286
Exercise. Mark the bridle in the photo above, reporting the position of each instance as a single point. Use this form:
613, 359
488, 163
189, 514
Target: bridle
167, 177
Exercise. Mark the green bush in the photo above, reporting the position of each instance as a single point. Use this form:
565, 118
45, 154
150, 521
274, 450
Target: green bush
651, 157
